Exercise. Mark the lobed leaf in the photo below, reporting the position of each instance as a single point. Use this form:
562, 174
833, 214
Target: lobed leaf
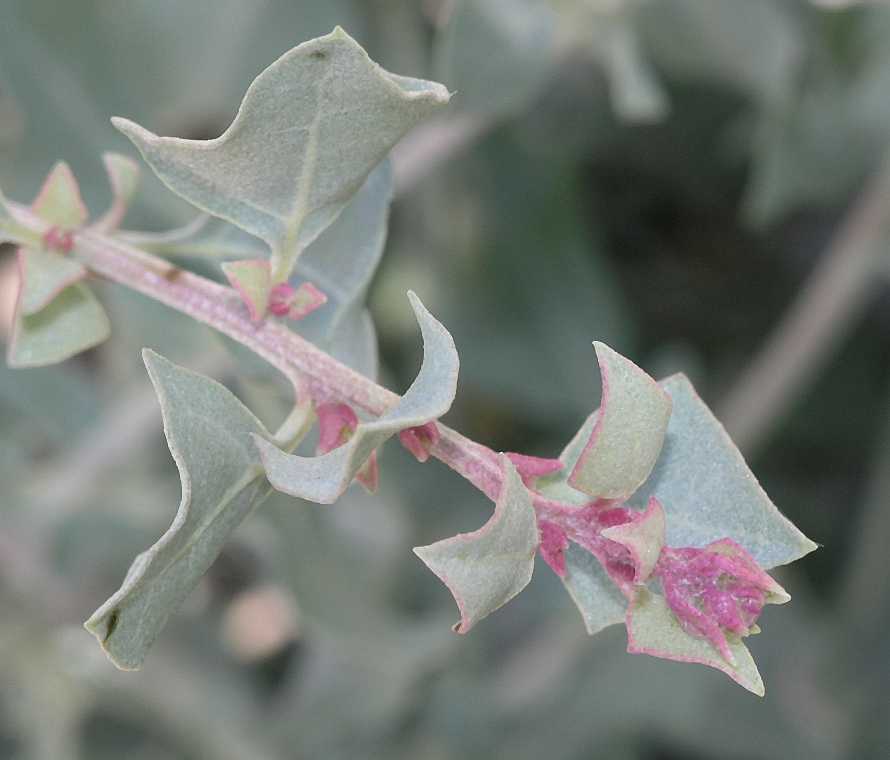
485, 569
323, 478
310, 129
708, 491
653, 629
208, 432
628, 432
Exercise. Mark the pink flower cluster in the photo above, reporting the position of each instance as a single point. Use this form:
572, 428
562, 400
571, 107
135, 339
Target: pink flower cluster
717, 591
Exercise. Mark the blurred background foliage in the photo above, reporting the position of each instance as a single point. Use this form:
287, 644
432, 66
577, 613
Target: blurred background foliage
699, 183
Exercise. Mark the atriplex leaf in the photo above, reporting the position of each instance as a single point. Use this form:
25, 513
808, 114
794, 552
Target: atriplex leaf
253, 281
595, 595
208, 431
310, 129
123, 176
707, 490
628, 433
323, 478
72, 323
653, 629
485, 569
59, 201
44, 275
342, 261
643, 538
55, 317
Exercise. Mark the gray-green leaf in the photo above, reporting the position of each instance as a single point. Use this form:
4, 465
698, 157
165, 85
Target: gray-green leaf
652, 628
72, 322
628, 433
485, 569
310, 129
323, 478
208, 431
707, 490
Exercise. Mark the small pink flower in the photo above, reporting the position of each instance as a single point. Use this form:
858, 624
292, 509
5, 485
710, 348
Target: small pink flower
717, 591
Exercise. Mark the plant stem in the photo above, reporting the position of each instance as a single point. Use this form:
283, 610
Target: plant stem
308, 368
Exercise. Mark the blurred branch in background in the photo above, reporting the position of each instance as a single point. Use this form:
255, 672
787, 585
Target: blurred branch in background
820, 317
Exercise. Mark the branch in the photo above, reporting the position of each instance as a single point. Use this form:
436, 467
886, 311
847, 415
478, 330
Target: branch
823, 314
306, 366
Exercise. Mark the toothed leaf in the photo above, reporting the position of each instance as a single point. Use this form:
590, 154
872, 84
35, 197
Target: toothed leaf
310, 129
485, 569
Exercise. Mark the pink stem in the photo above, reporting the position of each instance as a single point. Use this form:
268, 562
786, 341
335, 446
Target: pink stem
305, 365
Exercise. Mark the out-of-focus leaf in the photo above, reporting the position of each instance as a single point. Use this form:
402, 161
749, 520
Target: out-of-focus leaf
123, 177
709, 493
290, 161
628, 433
496, 54
485, 569
44, 274
653, 629
208, 431
72, 323
323, 478
754, 46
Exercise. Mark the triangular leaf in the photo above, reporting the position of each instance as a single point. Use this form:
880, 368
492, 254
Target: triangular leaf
643, 538
310, 129
323, 478
45, 274
208, 431
485, 569
73, 322
708, 491
252, 279
653, 629
59, 201
628, 433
